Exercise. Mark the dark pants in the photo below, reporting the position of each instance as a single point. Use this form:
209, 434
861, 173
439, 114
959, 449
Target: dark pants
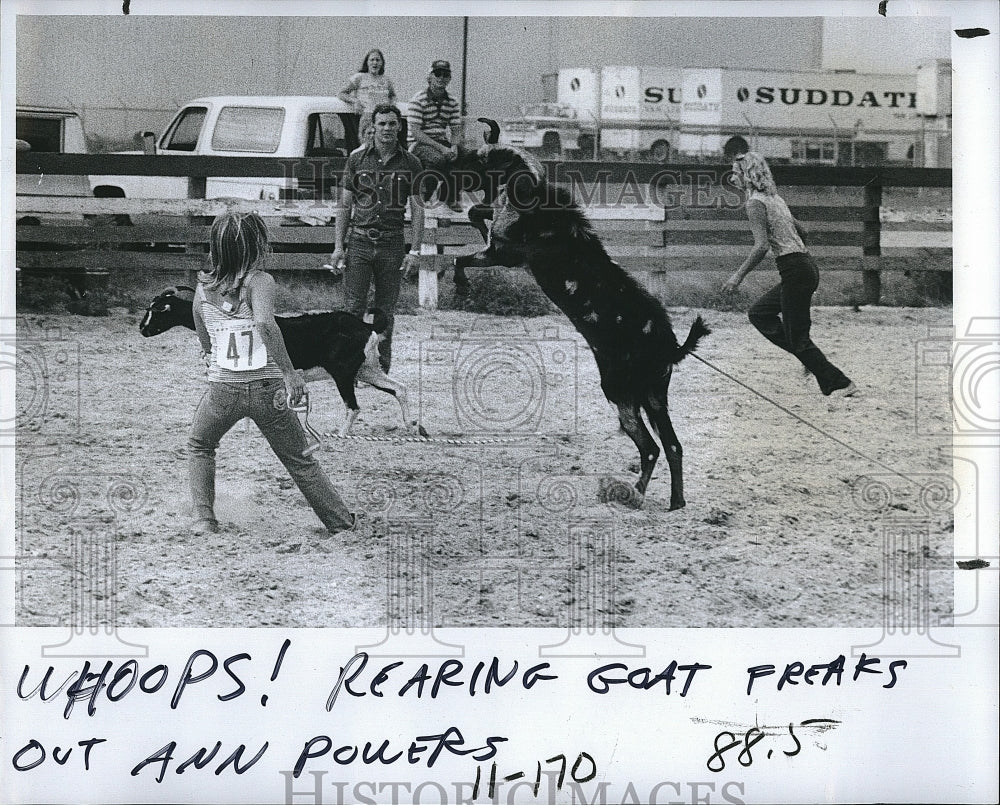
375, 262
782, 316
438, 170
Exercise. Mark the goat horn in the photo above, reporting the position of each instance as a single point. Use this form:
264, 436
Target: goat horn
492, 137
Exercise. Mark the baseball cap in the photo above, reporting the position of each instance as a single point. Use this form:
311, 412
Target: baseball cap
441, 64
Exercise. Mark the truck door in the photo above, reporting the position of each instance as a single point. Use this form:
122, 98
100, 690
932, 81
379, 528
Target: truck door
181, 138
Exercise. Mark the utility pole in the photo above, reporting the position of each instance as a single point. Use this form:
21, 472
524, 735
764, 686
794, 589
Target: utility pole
465, 59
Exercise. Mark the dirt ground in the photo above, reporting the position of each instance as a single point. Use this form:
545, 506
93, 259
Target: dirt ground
801, 511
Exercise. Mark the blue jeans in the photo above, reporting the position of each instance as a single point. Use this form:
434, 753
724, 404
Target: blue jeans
379, 262
438, 167
225, 404
782, 317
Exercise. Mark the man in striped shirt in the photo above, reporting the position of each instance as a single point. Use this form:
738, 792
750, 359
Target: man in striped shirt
433, 121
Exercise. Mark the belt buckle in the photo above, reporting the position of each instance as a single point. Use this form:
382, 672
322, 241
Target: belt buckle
373, 234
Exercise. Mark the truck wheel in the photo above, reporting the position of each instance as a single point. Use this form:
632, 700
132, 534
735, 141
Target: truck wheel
585, 146
660, 152
107, 191
551, 145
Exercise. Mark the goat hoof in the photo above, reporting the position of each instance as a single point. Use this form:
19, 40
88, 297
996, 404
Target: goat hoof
422, 432
677, 504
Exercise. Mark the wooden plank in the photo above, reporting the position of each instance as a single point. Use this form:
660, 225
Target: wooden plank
916, 240
915, 226
306, 168
912, 260
830, 212
157, 261
650, 212
916, 253
427, 280
308, 211
741, 225
744, 238
158, 234
180, 206
686, 175
119, 258
679, 259
171, 232
629, 173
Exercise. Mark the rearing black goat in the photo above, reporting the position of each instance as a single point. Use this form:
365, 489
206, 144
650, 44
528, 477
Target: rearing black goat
488, 169
538, 226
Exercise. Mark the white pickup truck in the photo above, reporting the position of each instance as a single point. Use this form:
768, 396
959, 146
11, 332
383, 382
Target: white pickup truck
290, 126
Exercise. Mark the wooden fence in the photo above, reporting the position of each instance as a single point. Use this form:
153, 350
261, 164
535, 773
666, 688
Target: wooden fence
652, 218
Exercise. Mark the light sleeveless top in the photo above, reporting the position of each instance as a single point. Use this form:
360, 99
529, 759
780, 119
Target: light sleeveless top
238, 351
371, 90
781, 233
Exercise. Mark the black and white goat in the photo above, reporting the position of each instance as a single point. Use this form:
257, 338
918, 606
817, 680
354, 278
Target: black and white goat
487, 169
539, 227
338, 343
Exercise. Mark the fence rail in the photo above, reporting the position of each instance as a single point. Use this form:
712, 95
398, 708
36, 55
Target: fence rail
648, 215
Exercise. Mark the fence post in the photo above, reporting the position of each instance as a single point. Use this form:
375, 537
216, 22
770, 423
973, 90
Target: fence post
871, 244
427, 284
196, 189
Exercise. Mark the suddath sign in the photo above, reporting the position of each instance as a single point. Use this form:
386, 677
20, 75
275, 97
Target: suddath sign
790, 96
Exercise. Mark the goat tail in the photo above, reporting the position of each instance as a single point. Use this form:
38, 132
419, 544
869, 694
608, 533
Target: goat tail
379, 320
698, 331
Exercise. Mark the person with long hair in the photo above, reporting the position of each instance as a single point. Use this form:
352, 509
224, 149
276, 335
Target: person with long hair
366, 89
782, 314
249, 372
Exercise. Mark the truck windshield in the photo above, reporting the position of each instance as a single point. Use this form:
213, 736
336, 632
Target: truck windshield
183, 135
248, 128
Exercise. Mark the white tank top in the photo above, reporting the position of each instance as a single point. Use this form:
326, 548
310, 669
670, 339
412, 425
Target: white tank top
782, 236
238, 351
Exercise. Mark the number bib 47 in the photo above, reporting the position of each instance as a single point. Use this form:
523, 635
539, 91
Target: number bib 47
240, 347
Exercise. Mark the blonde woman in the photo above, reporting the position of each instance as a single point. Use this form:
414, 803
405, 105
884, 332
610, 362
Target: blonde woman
782, 314
249, 372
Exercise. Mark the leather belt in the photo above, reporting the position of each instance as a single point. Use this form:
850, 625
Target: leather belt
373, 233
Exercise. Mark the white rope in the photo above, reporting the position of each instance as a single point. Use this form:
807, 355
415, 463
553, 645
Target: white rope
432, 440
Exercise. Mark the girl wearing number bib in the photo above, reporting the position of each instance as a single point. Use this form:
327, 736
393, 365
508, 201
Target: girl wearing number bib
249, 372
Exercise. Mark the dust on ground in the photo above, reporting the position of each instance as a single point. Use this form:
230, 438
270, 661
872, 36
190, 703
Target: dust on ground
799, 507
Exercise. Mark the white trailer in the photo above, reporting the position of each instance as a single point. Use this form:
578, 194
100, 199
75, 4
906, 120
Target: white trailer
712, 113
818, 117
640, 111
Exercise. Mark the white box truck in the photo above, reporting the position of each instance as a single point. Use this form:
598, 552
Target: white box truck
818, 117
